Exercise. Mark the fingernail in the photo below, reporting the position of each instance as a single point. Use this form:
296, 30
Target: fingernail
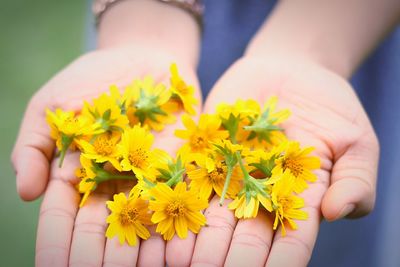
347, 209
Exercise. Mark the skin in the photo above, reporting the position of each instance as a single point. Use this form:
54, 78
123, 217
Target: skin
335, 124
307, 73
76, 237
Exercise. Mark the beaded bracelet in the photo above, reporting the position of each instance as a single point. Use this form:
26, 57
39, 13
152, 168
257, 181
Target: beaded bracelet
194, 7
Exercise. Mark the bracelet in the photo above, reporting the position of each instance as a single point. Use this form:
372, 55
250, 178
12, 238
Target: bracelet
194, 7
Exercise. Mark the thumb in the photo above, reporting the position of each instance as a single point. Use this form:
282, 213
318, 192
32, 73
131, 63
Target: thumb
32, 152
353, 181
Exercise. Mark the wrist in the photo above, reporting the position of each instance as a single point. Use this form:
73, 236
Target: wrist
302, 53
151, 24
335, 34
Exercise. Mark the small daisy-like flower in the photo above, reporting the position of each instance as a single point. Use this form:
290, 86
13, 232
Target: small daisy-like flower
105, 112
136, 153
128, 218
147, 104
299, 163
286, 205
86, 173
177, 210
67, 128
248, 207
202, 136
181, 91
263, 130
103, 148
254, 192
211, 175
242, 108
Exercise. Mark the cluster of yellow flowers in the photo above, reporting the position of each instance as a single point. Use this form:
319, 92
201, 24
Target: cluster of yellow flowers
240, 153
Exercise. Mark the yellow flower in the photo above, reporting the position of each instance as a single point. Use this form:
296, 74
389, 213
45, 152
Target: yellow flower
275, 117
202, 136
85, 173
248, 208
211, 175
182, 91
263, 130
66, 129
247, 202
135, 149
241, 108
122, 100
148, 104
103, 148
68, 125
127, 218
299, 163
285, 203
261, 161
176, 210
106, 112
275, 137
225, 146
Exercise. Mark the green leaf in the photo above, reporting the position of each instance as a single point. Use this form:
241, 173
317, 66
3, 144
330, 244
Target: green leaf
107, 114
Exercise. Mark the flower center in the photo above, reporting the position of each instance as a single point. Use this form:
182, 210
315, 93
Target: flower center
81, 173
128, 215
218, 174
103, 146
176, 208
198, 142
294, 166
138, 157
285, 203
70, 125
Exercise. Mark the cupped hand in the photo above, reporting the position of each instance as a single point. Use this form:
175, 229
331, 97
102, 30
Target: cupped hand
327, 115
68, 235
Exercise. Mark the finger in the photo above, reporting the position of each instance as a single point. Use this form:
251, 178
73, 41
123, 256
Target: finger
213, 241
295, 248
179, 251
56, 221
152, 250
88, 240
32, 152
353, 181
251, 241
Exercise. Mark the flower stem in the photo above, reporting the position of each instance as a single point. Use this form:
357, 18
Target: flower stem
244, 171
226, 185
62, 156
103, 176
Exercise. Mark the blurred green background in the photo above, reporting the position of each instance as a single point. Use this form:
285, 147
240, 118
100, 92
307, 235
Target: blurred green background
38, 38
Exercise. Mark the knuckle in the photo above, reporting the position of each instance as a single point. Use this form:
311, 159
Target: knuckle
296, 243
57, 212
251, 240
221, 222
93, 227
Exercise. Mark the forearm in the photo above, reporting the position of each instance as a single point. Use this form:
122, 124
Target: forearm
336, 34
153, 24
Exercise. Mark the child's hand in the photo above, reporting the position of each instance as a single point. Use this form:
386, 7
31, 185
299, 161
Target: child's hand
326, 114
66, 234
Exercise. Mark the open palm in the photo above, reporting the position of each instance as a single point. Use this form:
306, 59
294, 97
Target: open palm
66, 234
326, 115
